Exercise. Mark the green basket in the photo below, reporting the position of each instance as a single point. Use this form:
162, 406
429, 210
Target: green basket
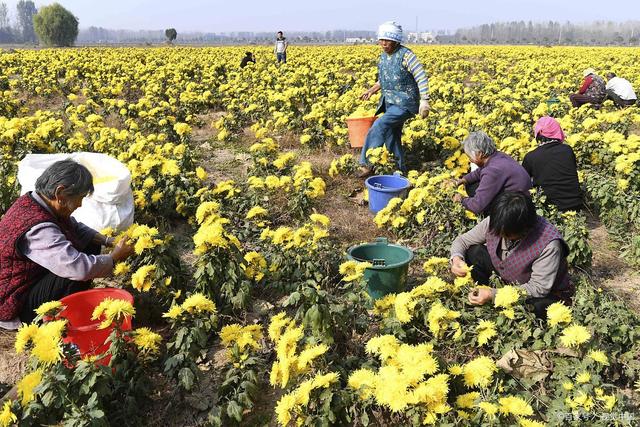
390, 266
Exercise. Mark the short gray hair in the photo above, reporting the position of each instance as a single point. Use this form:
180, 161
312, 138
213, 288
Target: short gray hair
479, 143
74, 177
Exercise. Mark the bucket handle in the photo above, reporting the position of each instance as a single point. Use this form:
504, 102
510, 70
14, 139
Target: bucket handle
382, 241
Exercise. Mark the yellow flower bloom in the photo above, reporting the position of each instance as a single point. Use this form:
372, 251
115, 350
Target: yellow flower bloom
25, 335
599, 356
256, 211
50, 308
353, 270
26, 386
320, 219
491, 409
486, 330
174, 312
467, 400
506, 296
201, 173
198, 303
7, 418
558, 313
515, 406
121, 269
479, 372
47, 344
112, 310
142, 279
583, 377
147, 340
574, 335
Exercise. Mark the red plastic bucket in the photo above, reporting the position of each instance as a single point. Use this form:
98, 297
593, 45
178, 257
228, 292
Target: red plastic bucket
84, 332
358, 129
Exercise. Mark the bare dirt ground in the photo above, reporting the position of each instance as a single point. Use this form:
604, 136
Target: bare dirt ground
611, 272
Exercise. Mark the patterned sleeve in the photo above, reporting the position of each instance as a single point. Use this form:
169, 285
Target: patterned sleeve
411, 62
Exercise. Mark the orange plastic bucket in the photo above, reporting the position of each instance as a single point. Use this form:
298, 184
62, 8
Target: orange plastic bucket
84, 332
358, 129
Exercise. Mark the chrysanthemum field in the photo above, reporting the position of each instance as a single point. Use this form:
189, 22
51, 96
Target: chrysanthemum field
246, 311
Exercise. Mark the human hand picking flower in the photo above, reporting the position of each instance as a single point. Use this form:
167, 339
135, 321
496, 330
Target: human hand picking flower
480, 296
457, 197
459, 267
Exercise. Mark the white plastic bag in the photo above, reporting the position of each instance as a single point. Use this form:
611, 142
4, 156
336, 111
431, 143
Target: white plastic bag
110, 205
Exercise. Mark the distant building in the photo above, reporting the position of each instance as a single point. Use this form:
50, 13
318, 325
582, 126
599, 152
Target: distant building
425, 37
357, 40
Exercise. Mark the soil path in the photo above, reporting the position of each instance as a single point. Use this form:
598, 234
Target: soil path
609, 270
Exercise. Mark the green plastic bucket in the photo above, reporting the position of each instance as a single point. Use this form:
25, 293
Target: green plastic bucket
390, 266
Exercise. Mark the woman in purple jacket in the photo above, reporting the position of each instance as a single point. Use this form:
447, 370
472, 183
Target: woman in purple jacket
497, 172
522, 248
45, 254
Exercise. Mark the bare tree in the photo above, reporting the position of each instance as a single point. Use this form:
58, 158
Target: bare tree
26, 11
4, 15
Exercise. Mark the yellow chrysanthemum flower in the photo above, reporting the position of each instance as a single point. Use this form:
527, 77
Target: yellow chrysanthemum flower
147, 340
574, 335
506, 296
558, 313
112, 310
515, 405
479, 372
26, 386
198, 303
49, 308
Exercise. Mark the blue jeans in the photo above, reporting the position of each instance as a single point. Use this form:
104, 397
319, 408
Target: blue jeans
387, 131
282, 57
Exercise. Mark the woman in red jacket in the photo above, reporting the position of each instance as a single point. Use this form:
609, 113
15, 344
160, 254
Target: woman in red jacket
593, 90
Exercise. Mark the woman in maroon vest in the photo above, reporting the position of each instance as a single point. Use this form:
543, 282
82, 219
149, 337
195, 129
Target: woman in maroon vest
521, 247
45, 254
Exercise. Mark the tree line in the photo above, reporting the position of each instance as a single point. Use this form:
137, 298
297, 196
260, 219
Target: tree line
548, 33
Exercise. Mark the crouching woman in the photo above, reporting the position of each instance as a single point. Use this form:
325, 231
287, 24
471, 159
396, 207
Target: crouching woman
521, 247
45, 254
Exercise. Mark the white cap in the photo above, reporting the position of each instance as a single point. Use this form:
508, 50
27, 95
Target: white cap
588, 71
390, 30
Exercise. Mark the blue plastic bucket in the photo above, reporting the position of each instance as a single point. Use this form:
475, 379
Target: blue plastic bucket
383, 188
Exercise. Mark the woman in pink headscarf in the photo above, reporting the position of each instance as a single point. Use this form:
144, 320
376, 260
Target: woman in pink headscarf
552, 166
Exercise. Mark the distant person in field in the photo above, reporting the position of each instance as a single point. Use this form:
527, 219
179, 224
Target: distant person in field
280, 48
593, 90
620, 91
248, 57
405, 93
497, 172
552, 166
522, 248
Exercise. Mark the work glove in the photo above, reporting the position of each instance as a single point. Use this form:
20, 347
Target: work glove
423, 111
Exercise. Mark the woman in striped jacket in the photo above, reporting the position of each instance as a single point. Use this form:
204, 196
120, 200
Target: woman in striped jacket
405, 92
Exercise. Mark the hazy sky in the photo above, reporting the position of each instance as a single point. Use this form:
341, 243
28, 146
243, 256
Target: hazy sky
322, 15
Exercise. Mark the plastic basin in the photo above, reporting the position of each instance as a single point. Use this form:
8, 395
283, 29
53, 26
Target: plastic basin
81, 330
383, 188
390, 266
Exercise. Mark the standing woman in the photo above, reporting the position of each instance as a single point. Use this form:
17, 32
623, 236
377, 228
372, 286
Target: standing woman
405, 92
